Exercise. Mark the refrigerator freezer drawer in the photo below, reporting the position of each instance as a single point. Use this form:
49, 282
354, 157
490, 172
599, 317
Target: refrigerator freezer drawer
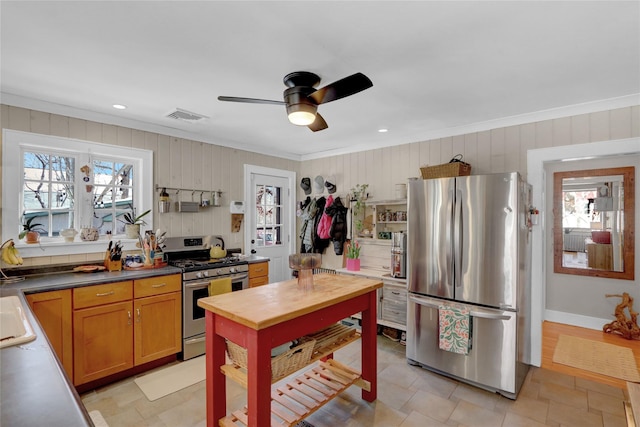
491, 362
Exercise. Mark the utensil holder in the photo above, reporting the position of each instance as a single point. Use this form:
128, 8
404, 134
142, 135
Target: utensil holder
111, 265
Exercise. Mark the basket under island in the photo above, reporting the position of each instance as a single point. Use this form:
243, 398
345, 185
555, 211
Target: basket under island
264, 317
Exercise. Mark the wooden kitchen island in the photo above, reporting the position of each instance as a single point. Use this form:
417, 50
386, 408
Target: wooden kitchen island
261, 318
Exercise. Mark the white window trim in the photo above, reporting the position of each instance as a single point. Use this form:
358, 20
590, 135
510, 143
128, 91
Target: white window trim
13, 143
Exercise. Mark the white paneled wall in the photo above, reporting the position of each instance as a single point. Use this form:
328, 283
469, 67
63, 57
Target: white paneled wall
191, 164
177, 163
492, 151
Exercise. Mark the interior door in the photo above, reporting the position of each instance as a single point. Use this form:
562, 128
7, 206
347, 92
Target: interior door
269, 214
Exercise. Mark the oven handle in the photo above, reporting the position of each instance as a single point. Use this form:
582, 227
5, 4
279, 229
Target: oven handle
195, 340
202, 284
197, 285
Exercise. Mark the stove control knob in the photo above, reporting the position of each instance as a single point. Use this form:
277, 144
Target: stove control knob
220, 272
232, 270
206, 274
199, 275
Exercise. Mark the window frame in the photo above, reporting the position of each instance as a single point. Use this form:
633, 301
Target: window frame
16, 142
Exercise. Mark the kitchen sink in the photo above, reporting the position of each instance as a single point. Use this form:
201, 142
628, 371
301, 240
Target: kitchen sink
14, 325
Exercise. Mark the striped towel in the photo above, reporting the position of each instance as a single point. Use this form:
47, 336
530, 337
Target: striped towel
219, 286
454, 329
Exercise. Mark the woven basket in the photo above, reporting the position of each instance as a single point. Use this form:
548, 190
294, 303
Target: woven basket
446, 170
281, 365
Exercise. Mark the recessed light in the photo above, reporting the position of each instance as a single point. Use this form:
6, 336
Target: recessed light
383, 130
119, 107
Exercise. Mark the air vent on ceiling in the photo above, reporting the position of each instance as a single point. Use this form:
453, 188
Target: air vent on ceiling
185, 115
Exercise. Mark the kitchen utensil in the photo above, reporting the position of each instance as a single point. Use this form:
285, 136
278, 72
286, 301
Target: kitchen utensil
217, 252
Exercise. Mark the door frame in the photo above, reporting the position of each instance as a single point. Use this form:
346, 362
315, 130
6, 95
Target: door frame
290, 176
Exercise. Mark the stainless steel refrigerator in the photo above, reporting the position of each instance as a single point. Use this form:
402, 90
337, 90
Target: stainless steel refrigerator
469, 248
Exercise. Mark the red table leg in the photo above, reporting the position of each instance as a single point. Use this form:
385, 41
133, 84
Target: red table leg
369, 348
216, 386
259, 377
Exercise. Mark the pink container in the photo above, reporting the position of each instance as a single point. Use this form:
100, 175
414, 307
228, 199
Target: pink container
353, 264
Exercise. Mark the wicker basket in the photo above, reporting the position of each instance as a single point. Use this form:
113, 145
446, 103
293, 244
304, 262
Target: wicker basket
281, 365
446, 170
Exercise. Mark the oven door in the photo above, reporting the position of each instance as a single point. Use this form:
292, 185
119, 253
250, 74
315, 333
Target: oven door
193, 321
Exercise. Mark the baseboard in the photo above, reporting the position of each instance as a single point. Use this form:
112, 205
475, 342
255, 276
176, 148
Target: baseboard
575, 319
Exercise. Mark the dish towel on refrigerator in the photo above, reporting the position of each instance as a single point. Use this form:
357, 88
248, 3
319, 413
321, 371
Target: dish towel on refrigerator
454, 328
219, 286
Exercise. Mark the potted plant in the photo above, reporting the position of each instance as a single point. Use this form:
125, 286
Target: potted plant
353, 256
31, 231
132, 223
358, 196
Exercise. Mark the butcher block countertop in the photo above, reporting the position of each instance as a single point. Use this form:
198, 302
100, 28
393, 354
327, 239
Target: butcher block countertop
265, 306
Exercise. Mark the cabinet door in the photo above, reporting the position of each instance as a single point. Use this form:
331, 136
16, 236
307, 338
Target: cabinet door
102, 341
53, 310
158, 326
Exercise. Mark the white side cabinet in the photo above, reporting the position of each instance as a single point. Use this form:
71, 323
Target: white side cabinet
392, 302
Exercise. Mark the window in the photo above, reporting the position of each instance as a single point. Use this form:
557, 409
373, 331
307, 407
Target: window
268, 215
67, 183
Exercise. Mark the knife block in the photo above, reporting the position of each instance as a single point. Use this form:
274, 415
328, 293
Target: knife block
112, 265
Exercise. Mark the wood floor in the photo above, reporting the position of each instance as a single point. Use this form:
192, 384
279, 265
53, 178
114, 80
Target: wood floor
550, 333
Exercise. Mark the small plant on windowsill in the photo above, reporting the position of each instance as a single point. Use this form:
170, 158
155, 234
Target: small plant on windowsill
31, 231
132, 223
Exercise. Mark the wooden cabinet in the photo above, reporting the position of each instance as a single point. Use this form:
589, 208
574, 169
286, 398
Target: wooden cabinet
117, 326
158, 318
258, 274
53, 311
102, 330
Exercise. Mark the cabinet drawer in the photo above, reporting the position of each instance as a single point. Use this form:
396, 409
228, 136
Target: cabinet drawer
258, 281
102, 294
157, 285
393, 313
258, 269
395, 294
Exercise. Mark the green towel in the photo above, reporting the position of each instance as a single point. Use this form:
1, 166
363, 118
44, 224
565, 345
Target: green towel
454, 329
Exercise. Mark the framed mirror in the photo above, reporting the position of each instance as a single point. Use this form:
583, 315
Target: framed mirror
593, 225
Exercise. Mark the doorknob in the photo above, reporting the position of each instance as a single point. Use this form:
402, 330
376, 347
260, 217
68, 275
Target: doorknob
253, 251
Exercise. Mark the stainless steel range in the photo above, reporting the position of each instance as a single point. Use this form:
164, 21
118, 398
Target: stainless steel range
191, 255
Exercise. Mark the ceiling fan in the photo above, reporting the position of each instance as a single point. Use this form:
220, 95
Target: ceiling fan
302, 98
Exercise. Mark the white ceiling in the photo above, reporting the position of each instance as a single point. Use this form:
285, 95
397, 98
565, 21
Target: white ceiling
438, 68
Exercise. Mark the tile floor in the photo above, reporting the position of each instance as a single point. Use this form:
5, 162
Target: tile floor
407, 396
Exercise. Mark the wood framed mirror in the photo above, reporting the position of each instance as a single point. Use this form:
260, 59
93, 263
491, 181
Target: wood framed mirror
593, 222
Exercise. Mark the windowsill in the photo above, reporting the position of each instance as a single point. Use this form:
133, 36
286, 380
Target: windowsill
56, 247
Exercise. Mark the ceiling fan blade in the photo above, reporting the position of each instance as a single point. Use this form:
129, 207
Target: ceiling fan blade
249, 100
339, 89
318, 124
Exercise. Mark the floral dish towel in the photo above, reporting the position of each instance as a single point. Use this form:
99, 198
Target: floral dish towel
454, 329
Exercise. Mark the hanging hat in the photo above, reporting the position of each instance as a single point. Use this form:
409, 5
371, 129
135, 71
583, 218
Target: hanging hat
318, 184
330, 183
305, 184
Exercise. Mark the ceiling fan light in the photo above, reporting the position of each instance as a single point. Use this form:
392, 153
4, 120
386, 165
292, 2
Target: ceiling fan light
301, 118
301, 114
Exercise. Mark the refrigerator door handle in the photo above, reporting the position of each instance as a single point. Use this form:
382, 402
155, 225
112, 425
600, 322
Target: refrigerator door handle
473, 312
458, 232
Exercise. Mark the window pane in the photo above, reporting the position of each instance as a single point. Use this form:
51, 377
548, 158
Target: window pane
62, 169
36, 195
61, 196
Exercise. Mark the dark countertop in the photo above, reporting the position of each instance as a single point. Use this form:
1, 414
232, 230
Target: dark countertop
35, 389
